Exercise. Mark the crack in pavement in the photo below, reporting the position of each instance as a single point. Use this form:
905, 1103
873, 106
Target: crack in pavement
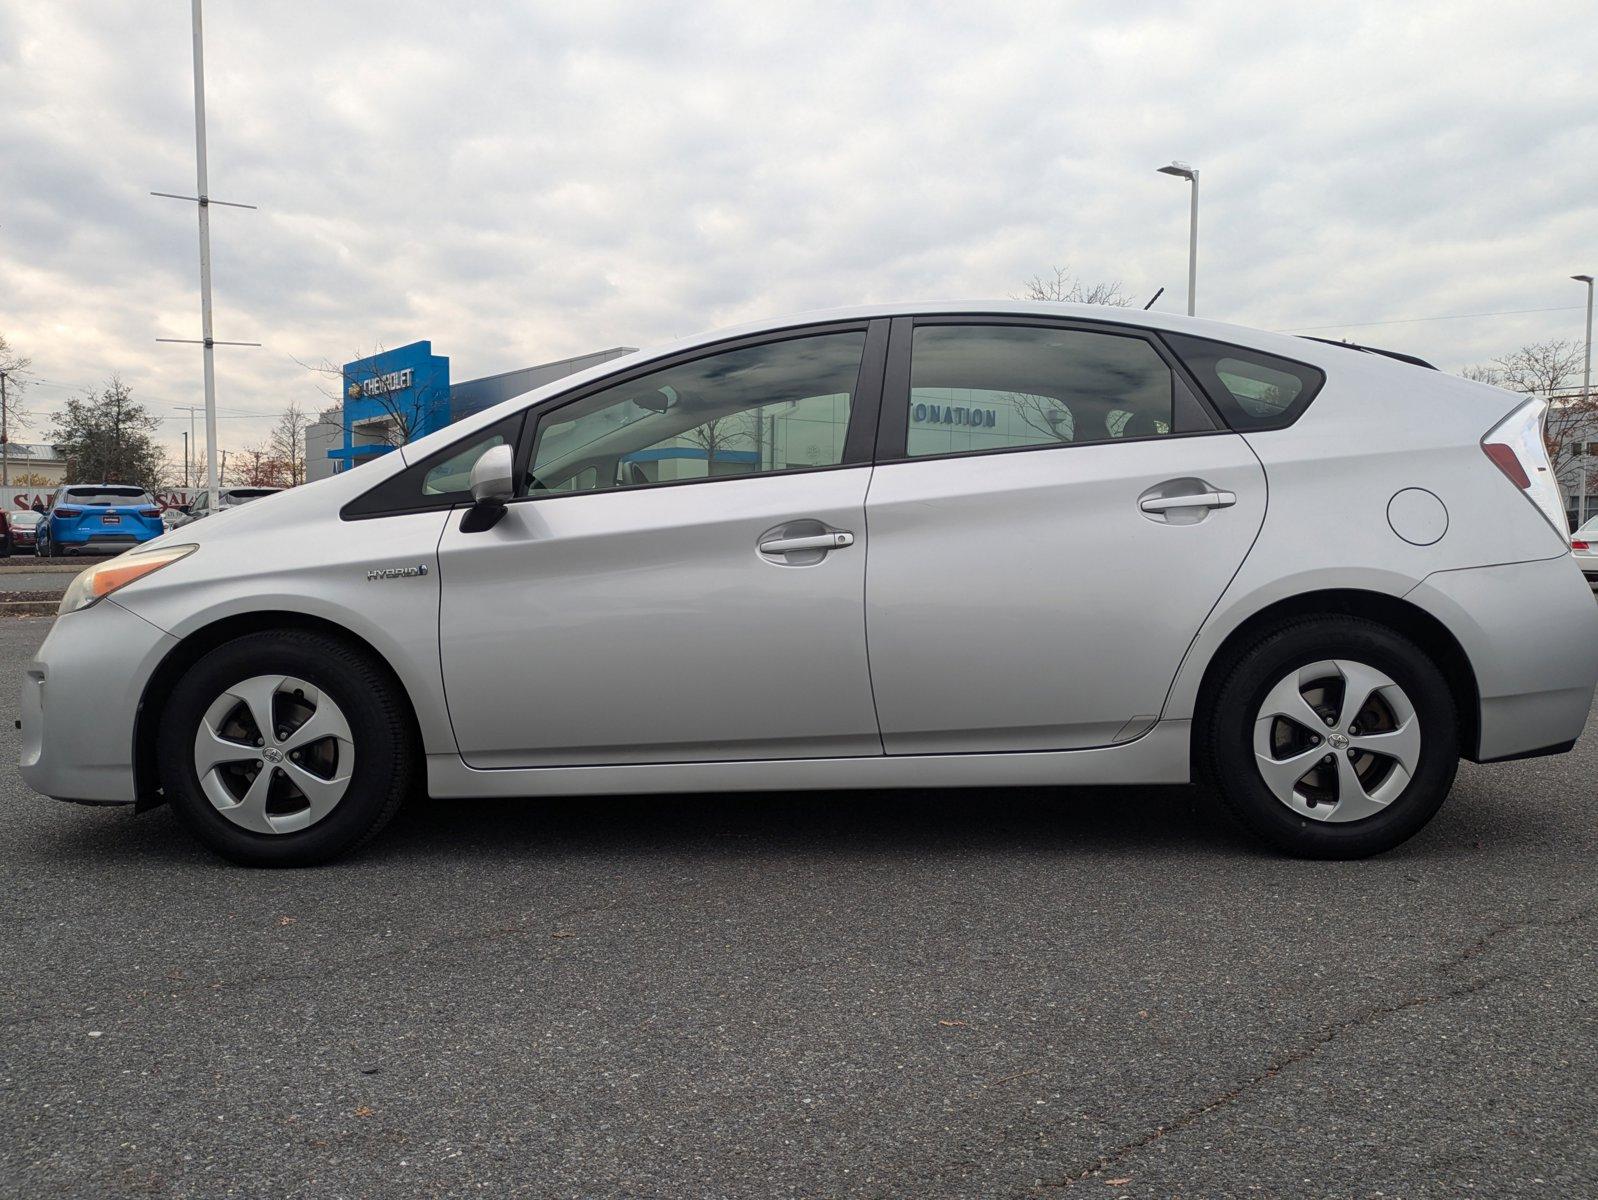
1323, 1037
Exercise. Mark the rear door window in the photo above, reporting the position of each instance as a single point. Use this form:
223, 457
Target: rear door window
986, 387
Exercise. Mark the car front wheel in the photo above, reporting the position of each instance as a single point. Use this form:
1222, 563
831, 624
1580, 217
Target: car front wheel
286, 748
1333, 737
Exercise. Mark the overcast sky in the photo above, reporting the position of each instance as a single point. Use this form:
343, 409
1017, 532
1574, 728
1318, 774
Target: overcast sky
521, 182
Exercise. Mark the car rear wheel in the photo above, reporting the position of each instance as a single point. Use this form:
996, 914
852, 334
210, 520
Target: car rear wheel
1333, 737
286, 748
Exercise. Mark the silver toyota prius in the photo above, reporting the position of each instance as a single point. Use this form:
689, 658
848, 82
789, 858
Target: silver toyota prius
897, 546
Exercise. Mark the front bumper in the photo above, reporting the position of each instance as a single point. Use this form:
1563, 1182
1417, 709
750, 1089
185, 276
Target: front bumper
80, 698
1531, 633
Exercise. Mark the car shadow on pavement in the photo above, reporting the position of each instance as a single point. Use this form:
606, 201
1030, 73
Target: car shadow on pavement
922, 822
1142, 821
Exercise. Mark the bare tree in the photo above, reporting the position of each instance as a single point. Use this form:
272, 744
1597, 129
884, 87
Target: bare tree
1550, 370
402, 410
286, 443
260, 466
1043, 415
1065, 288
719, 434
14, 366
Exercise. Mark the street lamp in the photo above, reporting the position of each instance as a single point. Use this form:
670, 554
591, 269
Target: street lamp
1190, 173
1586, 387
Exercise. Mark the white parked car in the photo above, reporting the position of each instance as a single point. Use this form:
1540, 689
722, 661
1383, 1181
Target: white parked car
1584, 546
908, 546
225, 498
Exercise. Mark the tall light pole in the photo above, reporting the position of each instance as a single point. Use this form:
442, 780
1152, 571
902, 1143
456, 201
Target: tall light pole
1190, 173
1586, 388
202, 186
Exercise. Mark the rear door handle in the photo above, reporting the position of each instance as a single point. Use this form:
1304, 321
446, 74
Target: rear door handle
1157, 504
835, 540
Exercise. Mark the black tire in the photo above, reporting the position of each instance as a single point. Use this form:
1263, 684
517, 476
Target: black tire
1227, 736
386, 760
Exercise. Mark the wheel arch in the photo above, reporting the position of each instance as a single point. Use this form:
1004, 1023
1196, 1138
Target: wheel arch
1419, 626
200, 642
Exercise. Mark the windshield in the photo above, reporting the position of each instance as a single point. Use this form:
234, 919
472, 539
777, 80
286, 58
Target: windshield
1590, 529
25, 519
105, 496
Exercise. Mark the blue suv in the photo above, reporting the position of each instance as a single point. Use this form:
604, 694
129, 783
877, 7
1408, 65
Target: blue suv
104, 518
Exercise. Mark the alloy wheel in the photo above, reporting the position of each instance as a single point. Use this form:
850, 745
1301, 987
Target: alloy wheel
1337, 740
274, 754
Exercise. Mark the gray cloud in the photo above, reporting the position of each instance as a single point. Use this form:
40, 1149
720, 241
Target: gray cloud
536, 180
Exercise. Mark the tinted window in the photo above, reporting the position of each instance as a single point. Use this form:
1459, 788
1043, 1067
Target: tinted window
999, 387
440, 480
782, 406
105, 496
1252, 390
453, 475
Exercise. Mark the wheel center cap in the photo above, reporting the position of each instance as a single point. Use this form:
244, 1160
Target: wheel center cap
1336, 741
273, 755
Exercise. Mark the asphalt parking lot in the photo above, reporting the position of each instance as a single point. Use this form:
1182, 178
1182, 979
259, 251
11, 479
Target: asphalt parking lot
1097, 993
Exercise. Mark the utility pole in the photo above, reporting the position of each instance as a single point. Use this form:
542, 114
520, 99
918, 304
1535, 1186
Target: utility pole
191, 409
116, 440
5, 442
1586, 392
204, 201
185, 460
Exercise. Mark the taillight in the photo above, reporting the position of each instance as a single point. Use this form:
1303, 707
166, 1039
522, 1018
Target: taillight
61, 511
1504, 458
1516, 448
1578, 545
149, 510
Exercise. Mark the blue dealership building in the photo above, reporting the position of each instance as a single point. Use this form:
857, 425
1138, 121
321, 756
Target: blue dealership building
399, 395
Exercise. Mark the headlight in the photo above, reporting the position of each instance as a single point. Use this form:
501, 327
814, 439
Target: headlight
100, 581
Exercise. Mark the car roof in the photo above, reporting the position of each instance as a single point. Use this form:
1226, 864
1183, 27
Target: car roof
1283, 344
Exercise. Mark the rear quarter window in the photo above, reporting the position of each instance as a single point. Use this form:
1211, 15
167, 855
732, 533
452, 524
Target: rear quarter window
1252, 390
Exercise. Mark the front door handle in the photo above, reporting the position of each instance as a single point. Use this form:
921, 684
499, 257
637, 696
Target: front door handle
835, 540
1159, 504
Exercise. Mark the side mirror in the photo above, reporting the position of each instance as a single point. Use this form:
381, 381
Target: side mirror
493, 483
491, 476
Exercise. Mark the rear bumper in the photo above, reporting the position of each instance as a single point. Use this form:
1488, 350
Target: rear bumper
1588, 562
101, 540
80, 697
1531, 633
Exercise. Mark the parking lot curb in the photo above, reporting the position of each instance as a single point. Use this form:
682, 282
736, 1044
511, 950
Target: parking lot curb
27, 608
